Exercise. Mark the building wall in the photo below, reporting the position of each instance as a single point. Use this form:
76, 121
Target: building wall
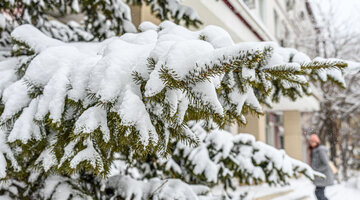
260, 18
281, 21
293, 140
293, 19
217, 13
255, 126
142, 13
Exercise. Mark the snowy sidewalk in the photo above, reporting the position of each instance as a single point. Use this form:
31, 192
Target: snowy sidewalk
303, 189
299, 189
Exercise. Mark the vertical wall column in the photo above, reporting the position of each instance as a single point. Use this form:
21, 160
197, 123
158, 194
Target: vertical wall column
293, 134
256, 126
136, 15
142, 13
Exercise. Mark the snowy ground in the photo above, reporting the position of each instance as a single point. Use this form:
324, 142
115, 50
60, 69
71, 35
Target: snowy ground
342, 191
304, 189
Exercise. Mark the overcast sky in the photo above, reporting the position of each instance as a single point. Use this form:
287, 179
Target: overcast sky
349, 8
346, 13
345, 8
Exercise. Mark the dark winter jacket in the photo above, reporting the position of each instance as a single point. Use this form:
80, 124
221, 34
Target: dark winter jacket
320, 163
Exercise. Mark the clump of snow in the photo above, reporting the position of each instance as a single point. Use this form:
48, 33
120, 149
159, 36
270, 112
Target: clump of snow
2, 21
47, 157
129, 188
7, 73
333, 73
6, 152
144, 26
15, 98
25, 128
92, 119
34, 38
89, 154
60, 188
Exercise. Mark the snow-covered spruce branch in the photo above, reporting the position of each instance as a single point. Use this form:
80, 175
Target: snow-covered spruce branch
222, 157
76, 104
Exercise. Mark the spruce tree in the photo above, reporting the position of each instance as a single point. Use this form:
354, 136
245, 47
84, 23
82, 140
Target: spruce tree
69, 108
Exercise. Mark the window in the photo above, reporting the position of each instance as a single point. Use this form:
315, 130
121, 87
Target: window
250, 3
290, 5
274, 130
270, 129
302, 15
277, 28
287, 33
262, 10
286, 37
282, 142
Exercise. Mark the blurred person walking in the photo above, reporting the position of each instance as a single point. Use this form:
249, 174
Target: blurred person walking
320, 162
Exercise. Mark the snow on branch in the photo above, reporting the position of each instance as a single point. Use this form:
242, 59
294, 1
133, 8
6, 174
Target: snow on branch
227, 158
6, 154
129, 188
